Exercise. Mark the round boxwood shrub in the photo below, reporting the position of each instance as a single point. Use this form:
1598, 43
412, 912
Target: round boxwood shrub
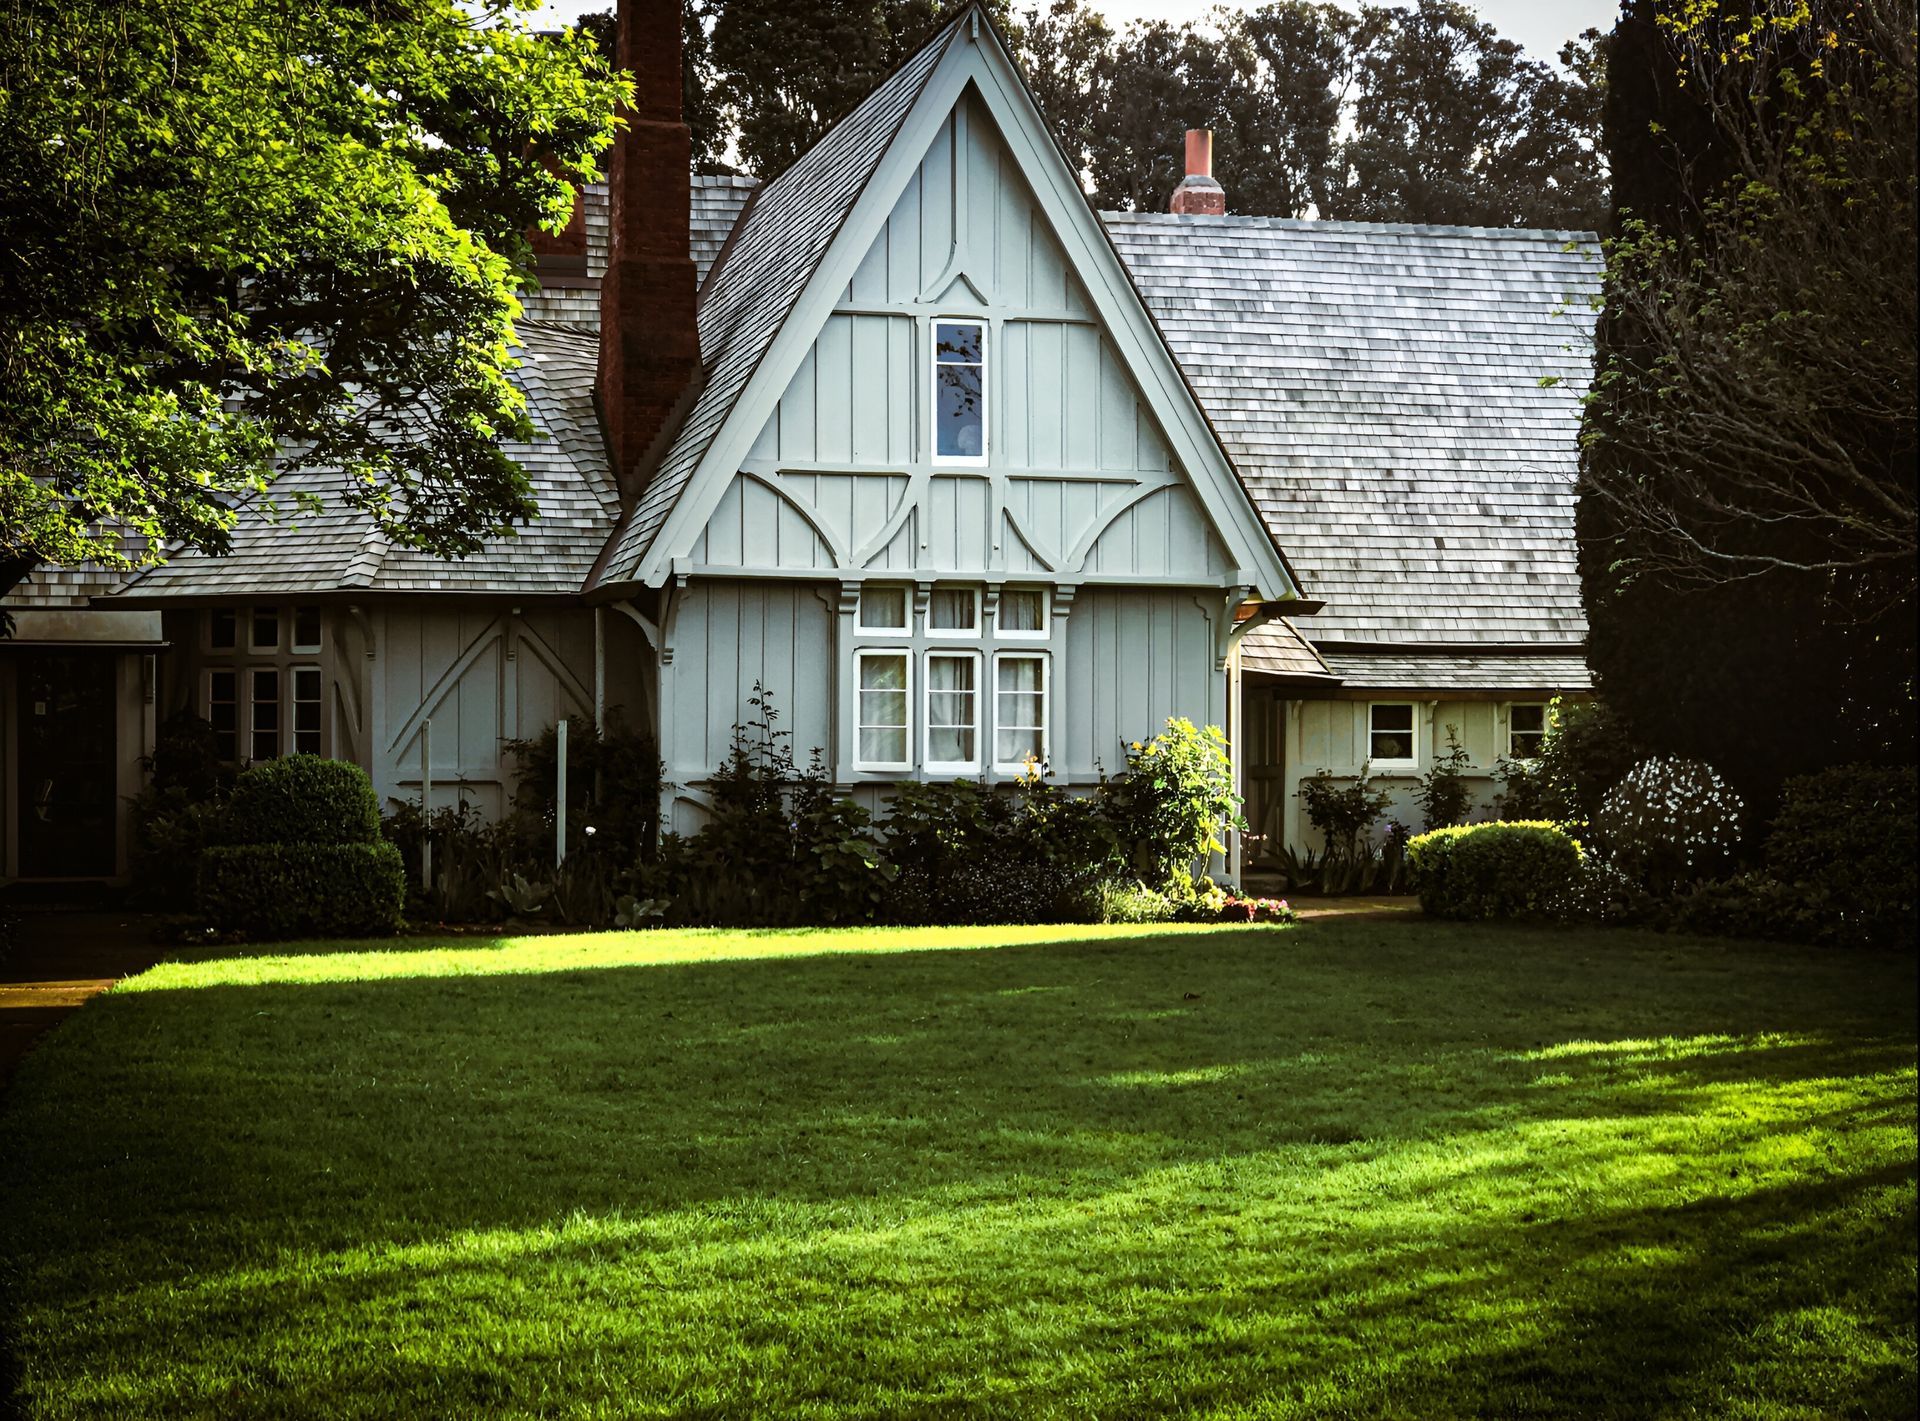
303, 799
303, 890
1502, 870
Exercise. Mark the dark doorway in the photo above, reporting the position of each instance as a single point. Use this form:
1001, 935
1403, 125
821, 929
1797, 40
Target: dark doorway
66, 764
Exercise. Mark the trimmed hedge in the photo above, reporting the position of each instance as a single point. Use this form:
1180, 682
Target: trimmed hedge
303, 890
302, 799
1504, 870
1845, 839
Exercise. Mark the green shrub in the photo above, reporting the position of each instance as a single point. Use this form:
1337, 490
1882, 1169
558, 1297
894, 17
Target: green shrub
1444, 796
613, 786
302, 799
1846, 837
1588, 749
303, 890
1500, 870
1751, 905
1175, 803
1134, 903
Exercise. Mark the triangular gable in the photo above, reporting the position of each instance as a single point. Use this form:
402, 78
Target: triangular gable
725, 422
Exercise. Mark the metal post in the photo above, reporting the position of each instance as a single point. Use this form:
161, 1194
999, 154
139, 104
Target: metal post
426, 804
560, 794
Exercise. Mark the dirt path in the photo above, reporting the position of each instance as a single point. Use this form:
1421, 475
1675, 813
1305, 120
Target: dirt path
59, 960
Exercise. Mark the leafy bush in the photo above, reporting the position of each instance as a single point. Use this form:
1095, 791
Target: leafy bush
1751, 905
303, 889
1499, 870
1444, 794
1175, 803
1344, 812
302, 799
471, 857
1669, 823
1587, 750
613, 787
1846, 837
1134, 903
177, 814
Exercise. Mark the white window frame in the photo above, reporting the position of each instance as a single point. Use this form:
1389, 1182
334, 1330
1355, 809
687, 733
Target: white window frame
254, 647
1541, 706
972, 633
1046, 709
905, 654
279, 703
242, 622
290, 704
933, 393
1046, 612
1412, 762
952, 767
905, 628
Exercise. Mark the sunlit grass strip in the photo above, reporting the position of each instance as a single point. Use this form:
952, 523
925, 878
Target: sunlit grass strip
574, 952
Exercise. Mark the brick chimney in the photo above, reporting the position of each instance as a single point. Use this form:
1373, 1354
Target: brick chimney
649, 330
1198, 193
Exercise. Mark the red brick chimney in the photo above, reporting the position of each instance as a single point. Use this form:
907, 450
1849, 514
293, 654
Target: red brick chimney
1198, 193
649, 329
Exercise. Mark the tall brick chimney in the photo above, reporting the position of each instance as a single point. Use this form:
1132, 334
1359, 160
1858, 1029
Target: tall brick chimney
649, 330
1198, 193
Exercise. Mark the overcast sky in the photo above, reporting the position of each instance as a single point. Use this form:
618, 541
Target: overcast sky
1541, 26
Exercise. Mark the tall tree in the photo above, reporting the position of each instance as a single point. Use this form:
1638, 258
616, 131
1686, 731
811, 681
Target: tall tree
1066, 52
1454, 124
1747, 499
230, 223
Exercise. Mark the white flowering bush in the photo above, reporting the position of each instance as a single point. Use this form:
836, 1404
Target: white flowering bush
1670, 822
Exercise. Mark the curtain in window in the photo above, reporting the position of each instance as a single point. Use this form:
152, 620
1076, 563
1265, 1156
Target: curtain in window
1019, 710
883, 710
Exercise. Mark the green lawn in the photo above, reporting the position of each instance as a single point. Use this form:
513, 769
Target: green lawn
1345, 1169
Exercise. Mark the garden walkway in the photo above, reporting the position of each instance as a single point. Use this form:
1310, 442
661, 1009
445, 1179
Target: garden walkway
59, 959
1396, 905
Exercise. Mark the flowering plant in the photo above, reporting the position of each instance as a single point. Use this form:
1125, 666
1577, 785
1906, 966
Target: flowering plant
1669, 822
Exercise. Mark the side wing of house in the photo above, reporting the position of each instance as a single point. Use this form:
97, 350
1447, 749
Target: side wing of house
966, 514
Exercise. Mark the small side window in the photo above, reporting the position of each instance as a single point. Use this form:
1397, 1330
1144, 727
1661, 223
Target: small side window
1526, 731
883, 608
953, 611
223, 629
266, 629
306, 628
1390, 734
306, 710
1022, 612
263, 711
223, 712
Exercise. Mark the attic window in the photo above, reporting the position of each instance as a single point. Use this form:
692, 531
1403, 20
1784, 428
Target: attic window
959, 392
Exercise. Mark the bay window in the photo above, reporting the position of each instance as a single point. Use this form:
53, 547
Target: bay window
880, 720
953, 712
1019, 710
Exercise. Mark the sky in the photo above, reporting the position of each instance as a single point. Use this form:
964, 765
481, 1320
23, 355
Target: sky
1540, 26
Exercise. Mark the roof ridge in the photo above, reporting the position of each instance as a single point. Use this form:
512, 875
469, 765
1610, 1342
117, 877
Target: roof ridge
1319, 224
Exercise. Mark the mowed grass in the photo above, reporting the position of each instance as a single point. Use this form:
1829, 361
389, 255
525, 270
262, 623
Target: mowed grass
1353, 1168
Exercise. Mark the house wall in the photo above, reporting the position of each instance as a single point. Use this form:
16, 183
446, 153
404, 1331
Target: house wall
1290, 737
1081, 496
484, 673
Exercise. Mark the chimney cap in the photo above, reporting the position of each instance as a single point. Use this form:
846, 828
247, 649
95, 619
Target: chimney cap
1198, 193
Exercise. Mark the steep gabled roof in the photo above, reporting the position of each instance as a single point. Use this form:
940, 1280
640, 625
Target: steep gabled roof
774, 254
339, 549
1381, 390
798, 245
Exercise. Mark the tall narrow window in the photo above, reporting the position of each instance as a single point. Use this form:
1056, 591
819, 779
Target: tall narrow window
223, 712
959, 392
953, 712
1390, 734
880, 721
263, 712
1526, 731
1019, 710
306, 710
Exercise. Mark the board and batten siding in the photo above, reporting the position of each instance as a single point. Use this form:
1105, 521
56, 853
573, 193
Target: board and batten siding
1082, 494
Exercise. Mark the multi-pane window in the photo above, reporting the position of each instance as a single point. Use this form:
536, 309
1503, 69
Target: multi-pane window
953, 711
263, 713
959, 392
259, 705
880, 719
223, 712
1390, 734
1019, 710
306, 710
1526, 731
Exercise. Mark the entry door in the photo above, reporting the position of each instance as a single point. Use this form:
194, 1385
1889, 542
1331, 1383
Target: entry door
66, 764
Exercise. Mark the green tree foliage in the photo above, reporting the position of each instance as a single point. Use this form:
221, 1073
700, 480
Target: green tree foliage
1746, 508
231, 224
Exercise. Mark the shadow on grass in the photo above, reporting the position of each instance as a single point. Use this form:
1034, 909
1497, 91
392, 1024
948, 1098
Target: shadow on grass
1354, 1169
